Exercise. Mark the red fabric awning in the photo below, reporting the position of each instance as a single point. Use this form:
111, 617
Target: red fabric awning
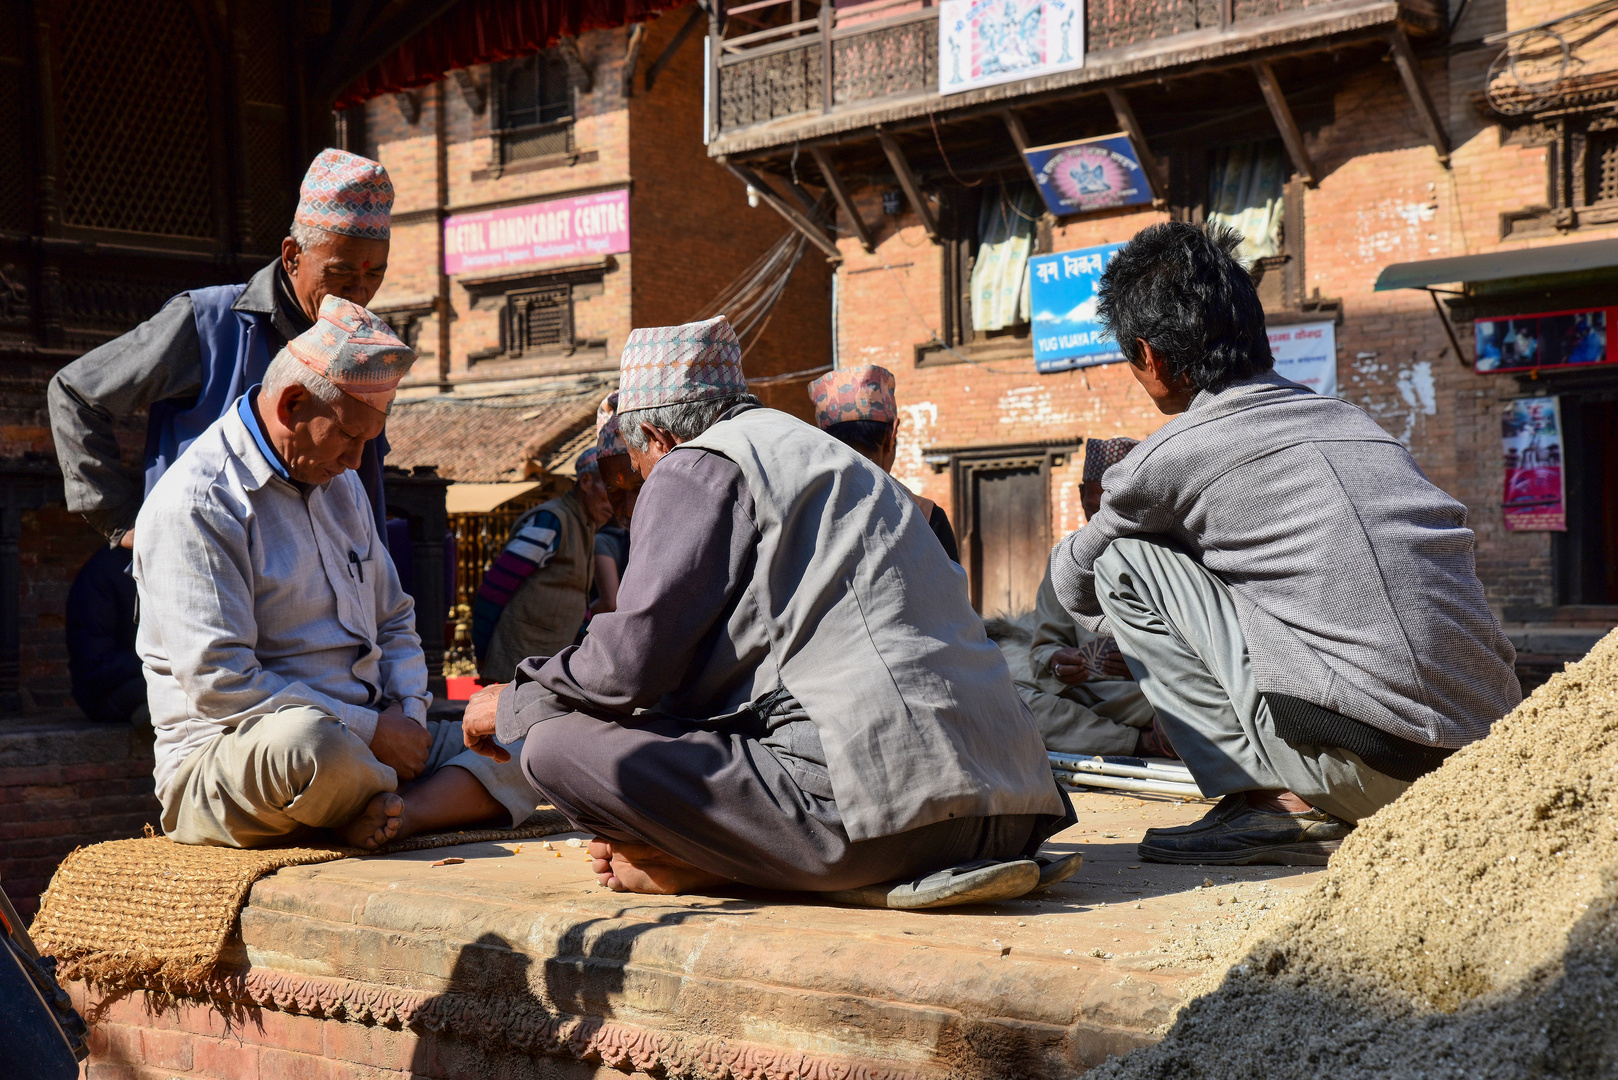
480, 31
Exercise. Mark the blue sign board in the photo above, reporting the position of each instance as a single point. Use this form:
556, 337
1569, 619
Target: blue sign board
1092, 174
1067, 332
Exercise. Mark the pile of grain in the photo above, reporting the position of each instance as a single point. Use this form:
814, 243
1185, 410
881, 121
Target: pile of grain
1468, 930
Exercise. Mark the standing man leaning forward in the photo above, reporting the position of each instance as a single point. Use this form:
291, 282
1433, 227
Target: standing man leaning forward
190, 362
1297, 601
287, 684
794, 692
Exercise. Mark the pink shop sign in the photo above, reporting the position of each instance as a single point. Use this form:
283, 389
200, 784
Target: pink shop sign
584, 226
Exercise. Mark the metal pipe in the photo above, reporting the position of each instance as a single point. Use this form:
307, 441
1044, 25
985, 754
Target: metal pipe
1123, 783
1175, 773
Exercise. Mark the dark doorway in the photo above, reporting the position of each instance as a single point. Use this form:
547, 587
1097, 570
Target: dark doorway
1587, 554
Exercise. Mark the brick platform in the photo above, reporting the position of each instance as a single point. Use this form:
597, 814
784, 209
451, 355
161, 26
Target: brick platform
515, 964
66, 782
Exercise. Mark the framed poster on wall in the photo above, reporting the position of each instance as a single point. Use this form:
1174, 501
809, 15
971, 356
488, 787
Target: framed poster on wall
1550, 339
1535, 490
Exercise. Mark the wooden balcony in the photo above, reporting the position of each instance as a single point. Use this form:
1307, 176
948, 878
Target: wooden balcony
791, 72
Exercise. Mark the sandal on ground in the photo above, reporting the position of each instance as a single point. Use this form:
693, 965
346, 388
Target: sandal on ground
983, 882
1054, 868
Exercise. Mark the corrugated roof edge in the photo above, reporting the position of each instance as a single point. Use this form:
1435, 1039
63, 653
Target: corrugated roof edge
1496, 265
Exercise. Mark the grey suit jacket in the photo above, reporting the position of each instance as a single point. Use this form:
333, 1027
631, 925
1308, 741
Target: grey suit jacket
1353, 574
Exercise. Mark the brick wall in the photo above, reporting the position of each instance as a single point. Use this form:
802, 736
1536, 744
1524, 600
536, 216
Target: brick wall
691, 231
1383, 198
64, 783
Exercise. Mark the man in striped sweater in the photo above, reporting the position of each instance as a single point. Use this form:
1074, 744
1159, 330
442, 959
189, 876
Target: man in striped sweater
534, 597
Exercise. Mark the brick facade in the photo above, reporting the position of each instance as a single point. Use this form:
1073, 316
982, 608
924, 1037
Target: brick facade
1383, 197
691, 231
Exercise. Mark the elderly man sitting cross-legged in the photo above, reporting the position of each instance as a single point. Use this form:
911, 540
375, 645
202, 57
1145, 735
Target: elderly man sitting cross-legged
793, 692
287, 685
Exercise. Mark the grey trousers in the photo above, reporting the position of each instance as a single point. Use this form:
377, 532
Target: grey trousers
1176, 624
722, 801
284, 774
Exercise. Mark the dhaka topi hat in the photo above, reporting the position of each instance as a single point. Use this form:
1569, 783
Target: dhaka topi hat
669, 365
609, 440
854, 393
348, 194
606, 410
354, 351
1102, 454
587, 463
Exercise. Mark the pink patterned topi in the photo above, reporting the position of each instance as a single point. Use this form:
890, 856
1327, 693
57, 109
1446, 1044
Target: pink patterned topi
667, 365
354, 351
606, 410
587, 463
1102, 454
348, 194
854, 393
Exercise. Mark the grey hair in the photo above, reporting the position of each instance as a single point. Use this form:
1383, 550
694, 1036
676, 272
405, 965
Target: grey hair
685, 420
307, 236
286, 370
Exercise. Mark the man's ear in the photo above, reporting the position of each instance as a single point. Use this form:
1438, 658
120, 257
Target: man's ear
290, 406
289, 255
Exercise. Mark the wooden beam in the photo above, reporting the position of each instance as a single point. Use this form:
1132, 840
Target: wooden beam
637, 34
1399, 45
1019, 136
1148, 160
907, 181
1281, 113
795, 217
845, 202
577, 69
691, 22
474, 92
388, 32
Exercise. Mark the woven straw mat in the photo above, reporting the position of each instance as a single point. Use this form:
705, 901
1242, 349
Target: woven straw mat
150, 912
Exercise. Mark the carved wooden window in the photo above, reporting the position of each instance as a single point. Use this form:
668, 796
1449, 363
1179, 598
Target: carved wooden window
1582, 163
538, 320
534, 107
1601, 164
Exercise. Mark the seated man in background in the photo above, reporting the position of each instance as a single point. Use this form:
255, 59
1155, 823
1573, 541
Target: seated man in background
612, 538
1298, 602
856, 407
779, 700
535, 596
1076, 682
287, 684
108, 683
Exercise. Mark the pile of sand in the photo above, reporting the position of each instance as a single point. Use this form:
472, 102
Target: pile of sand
1468, 930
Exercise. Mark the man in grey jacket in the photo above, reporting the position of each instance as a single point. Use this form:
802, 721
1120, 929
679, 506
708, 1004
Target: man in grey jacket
794, 691
1298, 602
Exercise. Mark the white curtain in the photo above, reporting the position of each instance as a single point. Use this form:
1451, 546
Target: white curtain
1245, 194
1005, 240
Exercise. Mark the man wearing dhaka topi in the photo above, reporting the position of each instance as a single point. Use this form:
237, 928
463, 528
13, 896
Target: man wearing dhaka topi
793, 691
286, 680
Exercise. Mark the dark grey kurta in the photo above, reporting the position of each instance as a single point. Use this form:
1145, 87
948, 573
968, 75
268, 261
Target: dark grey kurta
787, 569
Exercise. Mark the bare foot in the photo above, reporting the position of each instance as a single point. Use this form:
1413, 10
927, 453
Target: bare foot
641, 868
379, 822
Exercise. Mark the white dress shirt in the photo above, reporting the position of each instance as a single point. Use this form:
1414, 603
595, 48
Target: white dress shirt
258, 593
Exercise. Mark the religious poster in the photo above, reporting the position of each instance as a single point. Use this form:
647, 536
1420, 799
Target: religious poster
1067, 332
1531, 436
1092, 174
1306, 353
583, 226
983, 42
1549, 340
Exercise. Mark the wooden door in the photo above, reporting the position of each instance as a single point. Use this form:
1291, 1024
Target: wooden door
1009, 534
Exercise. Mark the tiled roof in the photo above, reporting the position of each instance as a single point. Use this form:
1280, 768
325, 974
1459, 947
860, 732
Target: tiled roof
490, 439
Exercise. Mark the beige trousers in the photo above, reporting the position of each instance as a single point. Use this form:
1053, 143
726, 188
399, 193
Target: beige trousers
284, 774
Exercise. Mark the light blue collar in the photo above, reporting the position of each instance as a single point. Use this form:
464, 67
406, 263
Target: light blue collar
244, 407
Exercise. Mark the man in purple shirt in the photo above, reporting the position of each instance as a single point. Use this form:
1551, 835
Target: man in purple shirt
794, 691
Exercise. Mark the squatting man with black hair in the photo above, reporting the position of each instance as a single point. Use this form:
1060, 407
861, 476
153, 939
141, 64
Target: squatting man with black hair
1298, 602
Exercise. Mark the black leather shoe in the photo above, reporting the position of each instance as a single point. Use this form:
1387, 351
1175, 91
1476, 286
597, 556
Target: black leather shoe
1235, 834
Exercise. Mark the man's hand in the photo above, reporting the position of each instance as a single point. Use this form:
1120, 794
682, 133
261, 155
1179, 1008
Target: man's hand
477, 726
1068, 666
1115, 666
400, 743
127, 540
